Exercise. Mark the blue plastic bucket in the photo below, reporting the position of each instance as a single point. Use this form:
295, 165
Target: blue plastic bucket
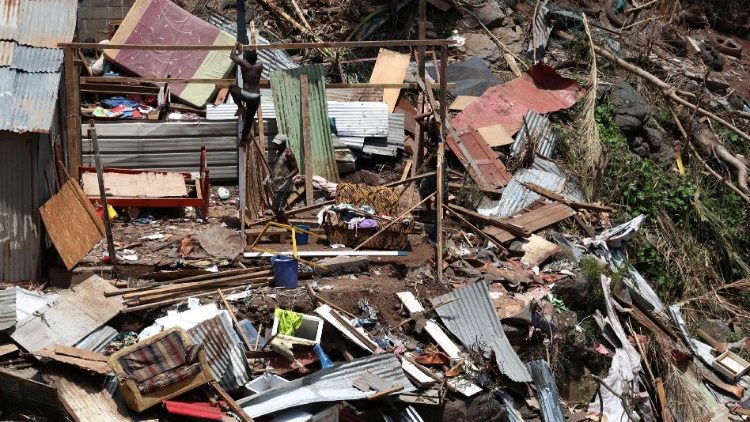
285, 271
302, 238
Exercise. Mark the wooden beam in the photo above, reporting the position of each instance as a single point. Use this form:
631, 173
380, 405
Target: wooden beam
264, 83
441, 161
280, 46
306, 138
514, 229
72, 112
559, 198
103, 198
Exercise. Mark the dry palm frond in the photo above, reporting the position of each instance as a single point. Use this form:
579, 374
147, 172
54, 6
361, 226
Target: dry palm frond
718, 298
588, 147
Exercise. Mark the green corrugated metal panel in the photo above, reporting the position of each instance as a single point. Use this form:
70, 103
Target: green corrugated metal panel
285, 85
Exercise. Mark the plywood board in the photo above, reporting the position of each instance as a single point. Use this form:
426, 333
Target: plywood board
496, 135
461, 102
96, 366
71, 223
390, 68
75, 315
141, 185
84, 400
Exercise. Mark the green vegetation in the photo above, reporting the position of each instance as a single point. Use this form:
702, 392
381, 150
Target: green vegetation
696, 232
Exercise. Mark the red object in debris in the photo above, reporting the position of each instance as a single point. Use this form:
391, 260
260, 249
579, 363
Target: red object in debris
200, 410
540, 89
479, 159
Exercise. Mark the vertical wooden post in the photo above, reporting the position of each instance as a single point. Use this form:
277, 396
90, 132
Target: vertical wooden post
306, 137
441, 158
72, 111
419, 133
103, 197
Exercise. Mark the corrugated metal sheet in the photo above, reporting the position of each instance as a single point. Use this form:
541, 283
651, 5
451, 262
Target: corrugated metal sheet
171, 146
224, 351
7, 308
271, 59
701, 349
542, 32
473, 319
99, 339
34, 59
27, 100
286, 98
39, 23
546, 391
410, 415
24, 159
541, 132
327, 385
359, 119
515, 197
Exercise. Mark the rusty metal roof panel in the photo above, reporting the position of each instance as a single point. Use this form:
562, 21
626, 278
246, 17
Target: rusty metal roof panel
541, 132
224, 350
479, 159
7, 308
27, 100
327, 385
38, 23
470, 315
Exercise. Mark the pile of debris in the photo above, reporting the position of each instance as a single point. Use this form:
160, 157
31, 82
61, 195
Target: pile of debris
436, 245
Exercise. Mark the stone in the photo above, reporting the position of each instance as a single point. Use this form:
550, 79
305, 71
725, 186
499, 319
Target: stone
510, 37
490, 14
631, 110
718, 329
480, 408
481, 45
654, 138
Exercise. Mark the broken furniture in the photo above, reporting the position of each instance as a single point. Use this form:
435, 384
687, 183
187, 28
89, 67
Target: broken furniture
147, 375
151, 189
384, 201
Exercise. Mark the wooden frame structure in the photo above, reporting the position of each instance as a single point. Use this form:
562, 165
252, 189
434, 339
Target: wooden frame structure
73, 81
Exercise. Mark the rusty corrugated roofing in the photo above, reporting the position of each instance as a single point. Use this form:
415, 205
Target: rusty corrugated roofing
38, 23
541, 132
470, 315
29, 59
27, 100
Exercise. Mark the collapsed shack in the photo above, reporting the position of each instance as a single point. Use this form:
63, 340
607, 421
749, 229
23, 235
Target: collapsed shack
546, 221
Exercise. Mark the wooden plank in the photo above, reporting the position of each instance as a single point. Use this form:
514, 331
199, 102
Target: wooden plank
86, 400
70, 225
495, 135
413, 306
511, 226
279, 46
306, 138
559, 198
390, 67
72, 112
360, 338
221, 97
75, 352
441, 164
89, 365
142, 185
461, 102
534, 220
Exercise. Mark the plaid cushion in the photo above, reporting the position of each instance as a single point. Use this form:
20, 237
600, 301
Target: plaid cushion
161, 363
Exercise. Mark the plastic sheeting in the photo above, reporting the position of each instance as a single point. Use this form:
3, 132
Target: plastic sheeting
472, 76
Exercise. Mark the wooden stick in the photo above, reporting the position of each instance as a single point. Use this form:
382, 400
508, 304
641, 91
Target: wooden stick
202, 283
382, 393
559, 198
394, 221
159, 295
441, 162
407, 168
476, 230
72, 112
236, 322
264, 83
137, 308
314, 296
367, 342
666, 415
511, 228
306, 138
185, 280
280, 46
236, 409
103, 197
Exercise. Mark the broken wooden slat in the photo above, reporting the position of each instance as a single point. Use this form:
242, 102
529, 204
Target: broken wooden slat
413, 306
559, 198
505, 224
75, 352
390, 67
91, 365
534, 220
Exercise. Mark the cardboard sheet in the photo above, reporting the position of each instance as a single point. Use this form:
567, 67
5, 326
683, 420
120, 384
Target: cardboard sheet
390, 68
461, 102
141, 185
162, 22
